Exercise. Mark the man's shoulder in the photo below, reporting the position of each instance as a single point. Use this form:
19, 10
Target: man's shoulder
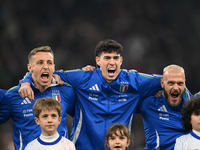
153, 98
65, 86
126, 71
13, 91
76, 75
135, 73
12, 95
152, 103
2, 91
73, 71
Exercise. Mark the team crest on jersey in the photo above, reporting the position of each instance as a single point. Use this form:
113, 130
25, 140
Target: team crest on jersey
56, 95
124, 86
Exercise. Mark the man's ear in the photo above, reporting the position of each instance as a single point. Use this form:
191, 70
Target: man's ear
37, 120
121, 60
97, 60
29, 67
162, 82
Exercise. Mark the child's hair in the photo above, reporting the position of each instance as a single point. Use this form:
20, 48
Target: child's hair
192, 106
46, 103
123, 130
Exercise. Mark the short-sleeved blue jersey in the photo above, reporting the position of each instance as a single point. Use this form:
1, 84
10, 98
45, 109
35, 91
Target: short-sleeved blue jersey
100, 104
162, 122
21, 110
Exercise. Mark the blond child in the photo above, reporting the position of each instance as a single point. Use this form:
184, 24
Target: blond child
191, 122
48, 115
118, 137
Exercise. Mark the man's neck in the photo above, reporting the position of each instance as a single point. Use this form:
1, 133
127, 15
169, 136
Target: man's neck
42, 88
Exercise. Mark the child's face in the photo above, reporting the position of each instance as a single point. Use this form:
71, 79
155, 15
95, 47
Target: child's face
119, 142
48, 121
195, 121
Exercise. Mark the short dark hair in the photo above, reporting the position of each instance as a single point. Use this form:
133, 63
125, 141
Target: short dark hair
192, 106
108, 46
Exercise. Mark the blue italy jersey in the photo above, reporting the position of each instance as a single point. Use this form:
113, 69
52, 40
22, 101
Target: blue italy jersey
100, 104
21, 110
2, 93
197, 94
162, 122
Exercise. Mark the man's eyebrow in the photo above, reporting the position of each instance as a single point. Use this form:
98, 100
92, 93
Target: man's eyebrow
107, 56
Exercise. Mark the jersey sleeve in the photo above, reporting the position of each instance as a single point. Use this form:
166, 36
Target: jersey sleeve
145, 104
70, 99
26, 78
150, 136
73, 77
150, 132
197, 94
2, 93
148, 84
5, 109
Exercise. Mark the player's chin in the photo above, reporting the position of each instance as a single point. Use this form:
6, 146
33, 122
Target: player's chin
174, 103
112, 77
46, 83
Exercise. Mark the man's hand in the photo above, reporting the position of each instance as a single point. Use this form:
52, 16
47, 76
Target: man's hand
158, 94
26, 91
88, 68
58, 79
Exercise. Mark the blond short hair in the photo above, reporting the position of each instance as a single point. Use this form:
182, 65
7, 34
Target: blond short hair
174, 68
39, 49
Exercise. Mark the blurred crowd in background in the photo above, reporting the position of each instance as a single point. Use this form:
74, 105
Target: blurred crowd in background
153, 33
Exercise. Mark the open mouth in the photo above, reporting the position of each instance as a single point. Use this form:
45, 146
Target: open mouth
45, 76
111, 71
174, 95
117, 147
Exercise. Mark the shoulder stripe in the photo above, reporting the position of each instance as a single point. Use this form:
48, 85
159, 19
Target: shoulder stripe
13, 88
26, 75
67, 84
75, 70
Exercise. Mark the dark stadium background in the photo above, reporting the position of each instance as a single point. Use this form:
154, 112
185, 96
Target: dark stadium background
153, 33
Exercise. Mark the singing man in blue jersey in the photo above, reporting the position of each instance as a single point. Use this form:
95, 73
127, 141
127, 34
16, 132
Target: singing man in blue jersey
106, 96
41, 65
162, 115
